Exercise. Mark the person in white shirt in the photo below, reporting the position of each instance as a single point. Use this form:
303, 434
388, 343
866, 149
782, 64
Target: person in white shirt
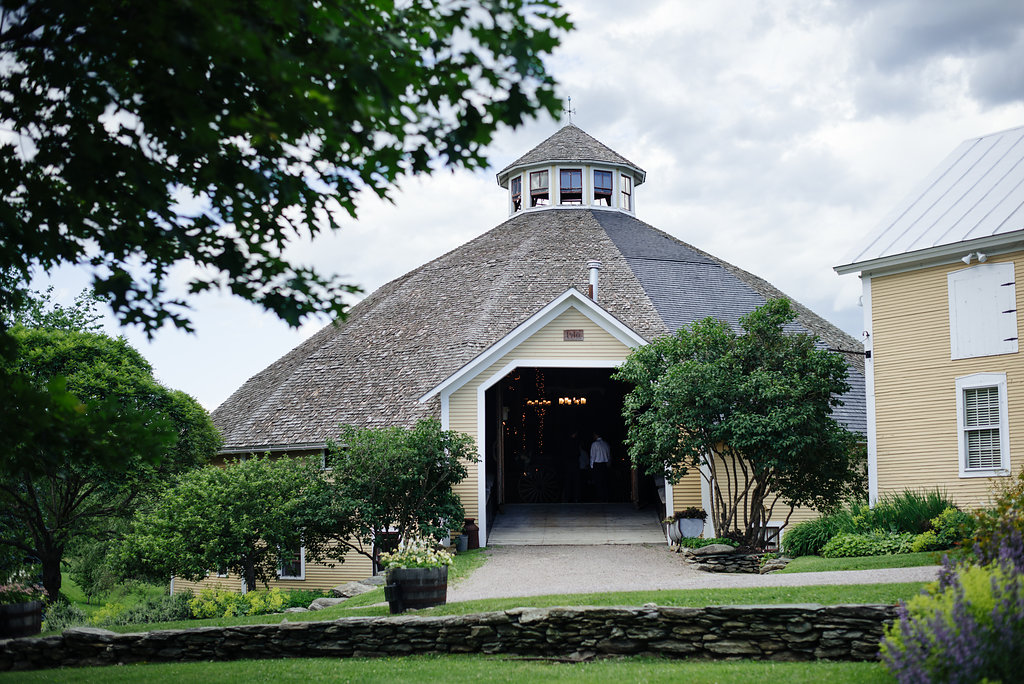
600, 463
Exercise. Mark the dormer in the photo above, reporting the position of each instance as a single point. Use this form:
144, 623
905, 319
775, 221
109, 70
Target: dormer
571, 169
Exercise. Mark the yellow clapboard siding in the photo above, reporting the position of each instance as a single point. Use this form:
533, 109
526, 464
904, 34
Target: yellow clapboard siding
686, 492
915, 392
318, 577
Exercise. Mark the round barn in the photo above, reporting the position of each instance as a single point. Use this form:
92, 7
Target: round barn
512, 339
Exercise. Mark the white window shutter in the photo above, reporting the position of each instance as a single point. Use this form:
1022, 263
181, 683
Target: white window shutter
982, 311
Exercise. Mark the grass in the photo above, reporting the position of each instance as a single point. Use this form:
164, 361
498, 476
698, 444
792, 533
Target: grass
825, 594
899, 560
452, 669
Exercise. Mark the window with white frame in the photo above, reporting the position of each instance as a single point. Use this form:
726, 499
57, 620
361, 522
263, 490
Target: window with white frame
982, 311
982, 425
539, 192
570, 186
626, 185
292, 564
603, 188
517, 193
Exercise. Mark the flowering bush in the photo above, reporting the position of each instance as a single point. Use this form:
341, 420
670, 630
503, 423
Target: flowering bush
969, 626
19, 593
965, 628
416, 552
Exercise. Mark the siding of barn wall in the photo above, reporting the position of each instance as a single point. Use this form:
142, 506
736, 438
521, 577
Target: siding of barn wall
915, 395
686, 492
318, 577
546, 343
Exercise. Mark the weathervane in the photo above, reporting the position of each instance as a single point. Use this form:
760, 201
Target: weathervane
568, 110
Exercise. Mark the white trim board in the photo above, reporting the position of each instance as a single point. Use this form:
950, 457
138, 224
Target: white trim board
571, 298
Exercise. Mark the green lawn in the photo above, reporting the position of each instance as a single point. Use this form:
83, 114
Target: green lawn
451, 669
826, 595
899, 560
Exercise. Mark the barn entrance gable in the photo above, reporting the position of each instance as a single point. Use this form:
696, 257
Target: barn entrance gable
571, 332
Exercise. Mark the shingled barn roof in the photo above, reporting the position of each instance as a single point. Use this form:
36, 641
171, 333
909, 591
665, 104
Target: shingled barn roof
570, 143
417, 330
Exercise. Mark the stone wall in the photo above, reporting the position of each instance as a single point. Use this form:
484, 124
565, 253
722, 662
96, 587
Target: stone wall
790, 632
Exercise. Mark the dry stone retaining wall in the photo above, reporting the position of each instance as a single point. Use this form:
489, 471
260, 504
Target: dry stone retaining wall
786, 632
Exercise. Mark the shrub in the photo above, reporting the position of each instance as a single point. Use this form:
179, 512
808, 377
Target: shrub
60, 615
999, 531
967, 628
212, 603
301, 598
909, 511
846, 545
151, 609
808, 538
948, 529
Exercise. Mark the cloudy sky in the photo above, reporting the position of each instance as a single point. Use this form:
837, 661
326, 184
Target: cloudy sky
774, 135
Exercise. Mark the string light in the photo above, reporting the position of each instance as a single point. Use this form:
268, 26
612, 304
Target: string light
572, 401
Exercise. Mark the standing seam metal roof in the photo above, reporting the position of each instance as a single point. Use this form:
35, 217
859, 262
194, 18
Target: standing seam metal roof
976, 192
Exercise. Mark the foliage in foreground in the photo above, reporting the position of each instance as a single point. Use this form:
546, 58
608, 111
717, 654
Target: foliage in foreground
969, 626
467, 668
270, 117
753, 411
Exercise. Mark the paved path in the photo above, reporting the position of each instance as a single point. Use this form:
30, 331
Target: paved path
537, 570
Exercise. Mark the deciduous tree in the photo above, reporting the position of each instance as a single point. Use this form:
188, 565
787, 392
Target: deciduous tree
400, 480
139, 136
112, 405
752, 411
246, 517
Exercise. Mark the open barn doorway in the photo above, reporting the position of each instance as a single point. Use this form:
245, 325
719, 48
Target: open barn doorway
541, 422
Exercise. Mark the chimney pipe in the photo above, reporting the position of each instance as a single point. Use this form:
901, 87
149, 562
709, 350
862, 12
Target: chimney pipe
594, 267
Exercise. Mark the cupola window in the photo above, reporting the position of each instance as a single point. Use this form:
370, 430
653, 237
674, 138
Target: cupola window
570, 186
517, 193
603, 188
627, 193
539, 189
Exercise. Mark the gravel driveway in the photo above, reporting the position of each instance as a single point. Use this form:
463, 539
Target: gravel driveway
536, 570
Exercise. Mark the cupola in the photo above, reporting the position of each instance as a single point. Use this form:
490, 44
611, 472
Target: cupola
571, 169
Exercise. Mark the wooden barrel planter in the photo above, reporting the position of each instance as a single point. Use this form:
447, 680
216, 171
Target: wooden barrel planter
415, 588
21, 619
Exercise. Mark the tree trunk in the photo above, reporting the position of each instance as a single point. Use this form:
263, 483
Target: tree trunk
51, 574
249, 575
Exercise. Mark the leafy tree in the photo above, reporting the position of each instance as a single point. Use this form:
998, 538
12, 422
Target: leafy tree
111, 405
753, 411
399, 480
246, 516
212, 134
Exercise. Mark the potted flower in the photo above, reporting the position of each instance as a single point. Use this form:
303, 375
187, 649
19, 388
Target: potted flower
21, 611
417, 575
691, 521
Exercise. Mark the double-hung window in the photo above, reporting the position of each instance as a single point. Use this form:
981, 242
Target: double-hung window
517, 193
603, 188
292, 564
539, 193
570, 186
627, 192
982, 425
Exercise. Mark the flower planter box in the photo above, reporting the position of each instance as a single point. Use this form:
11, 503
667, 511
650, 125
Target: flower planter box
21, 619
415, 588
